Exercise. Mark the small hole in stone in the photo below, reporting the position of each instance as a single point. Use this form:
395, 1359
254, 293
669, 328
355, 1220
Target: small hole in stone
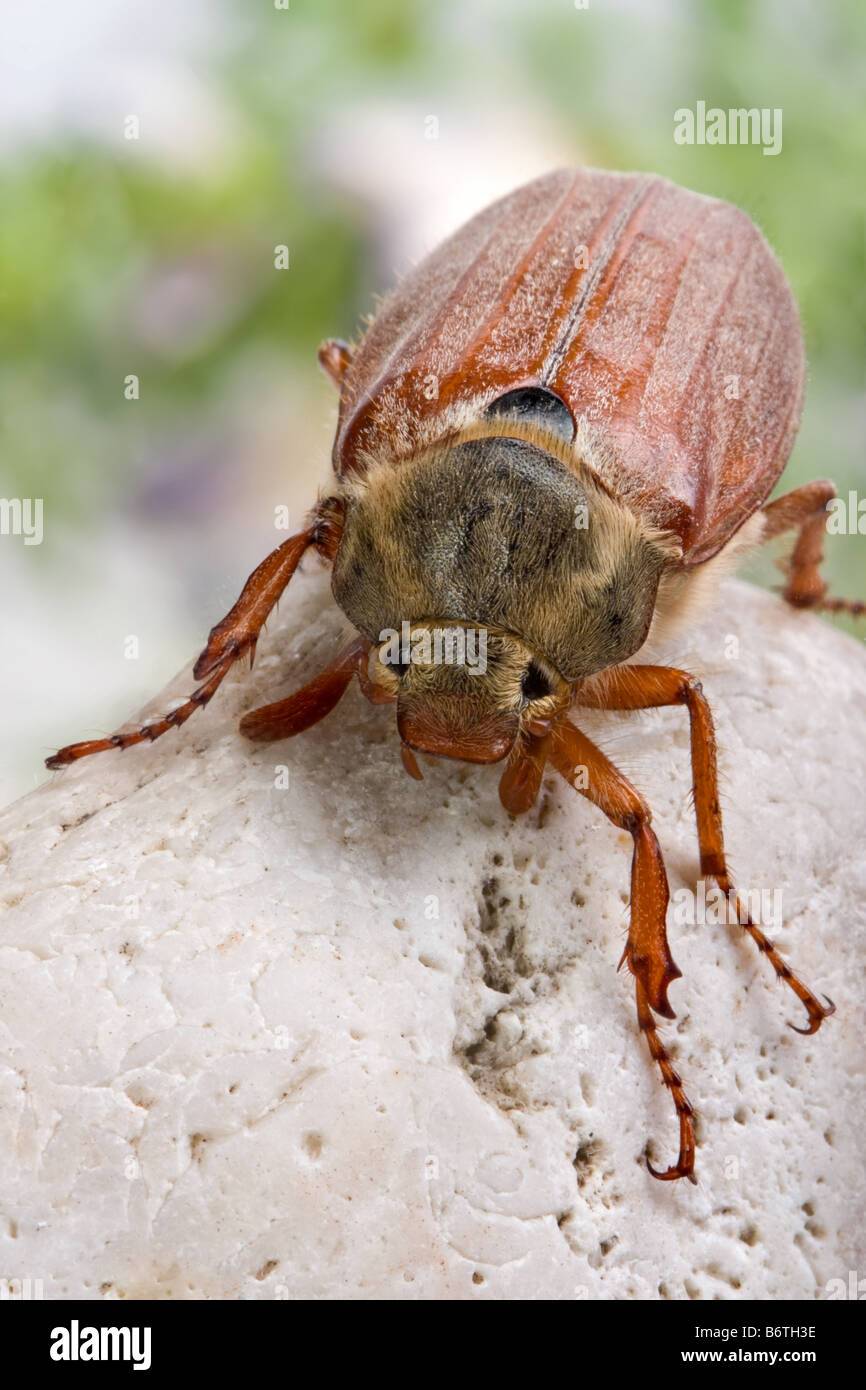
313, 1143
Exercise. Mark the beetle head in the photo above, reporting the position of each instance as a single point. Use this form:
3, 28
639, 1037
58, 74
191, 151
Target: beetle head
502, 533
462, 691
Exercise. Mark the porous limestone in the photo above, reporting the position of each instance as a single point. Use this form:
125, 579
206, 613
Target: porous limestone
279, 1022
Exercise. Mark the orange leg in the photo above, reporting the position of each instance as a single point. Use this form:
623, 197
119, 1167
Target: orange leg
647, 953
805, 510
238, 632
647, 687
521, 781
335, 357
307, 706
232, 638
685, 1164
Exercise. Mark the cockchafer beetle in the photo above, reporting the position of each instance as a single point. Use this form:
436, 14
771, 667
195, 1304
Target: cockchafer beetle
566, 417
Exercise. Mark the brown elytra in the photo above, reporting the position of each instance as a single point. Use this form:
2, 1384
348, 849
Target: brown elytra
553, 438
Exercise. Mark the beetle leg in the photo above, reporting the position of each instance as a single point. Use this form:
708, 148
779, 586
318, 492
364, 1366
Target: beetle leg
238, 632
647, 953
312, 702
145, 733
805, 510
685, 1164
232, 638
335, 357
376, 694
648, 687
521, 780
410, 763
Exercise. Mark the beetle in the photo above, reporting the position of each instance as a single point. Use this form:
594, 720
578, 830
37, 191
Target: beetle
564, 421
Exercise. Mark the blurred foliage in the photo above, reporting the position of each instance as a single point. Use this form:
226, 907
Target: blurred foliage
87, 229
808, 60
81, 233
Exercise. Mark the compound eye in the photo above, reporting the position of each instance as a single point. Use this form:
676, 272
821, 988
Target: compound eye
538, 406
535, 684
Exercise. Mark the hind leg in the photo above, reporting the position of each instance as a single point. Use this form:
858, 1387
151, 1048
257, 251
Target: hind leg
805, 511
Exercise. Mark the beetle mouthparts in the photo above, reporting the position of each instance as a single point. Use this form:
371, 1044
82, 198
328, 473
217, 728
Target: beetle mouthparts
456, 727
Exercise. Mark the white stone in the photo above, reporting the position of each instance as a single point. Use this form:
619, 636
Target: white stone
364, 1037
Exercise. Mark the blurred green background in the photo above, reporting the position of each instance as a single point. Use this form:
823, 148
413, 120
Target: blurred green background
308, 127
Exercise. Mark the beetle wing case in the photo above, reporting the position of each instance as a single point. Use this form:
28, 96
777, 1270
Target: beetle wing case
659, 317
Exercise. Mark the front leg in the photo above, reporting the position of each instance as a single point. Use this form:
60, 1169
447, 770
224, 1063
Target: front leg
648, 687
232, 638
312, 702
238, 632
647, 953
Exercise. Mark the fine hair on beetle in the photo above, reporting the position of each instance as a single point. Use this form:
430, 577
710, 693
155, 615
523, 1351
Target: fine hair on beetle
460, 644
511, 547
507, 522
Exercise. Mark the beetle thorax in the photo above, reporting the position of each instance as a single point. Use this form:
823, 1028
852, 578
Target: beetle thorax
505, 532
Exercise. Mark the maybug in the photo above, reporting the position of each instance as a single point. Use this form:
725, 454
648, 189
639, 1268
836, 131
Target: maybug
556, 428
